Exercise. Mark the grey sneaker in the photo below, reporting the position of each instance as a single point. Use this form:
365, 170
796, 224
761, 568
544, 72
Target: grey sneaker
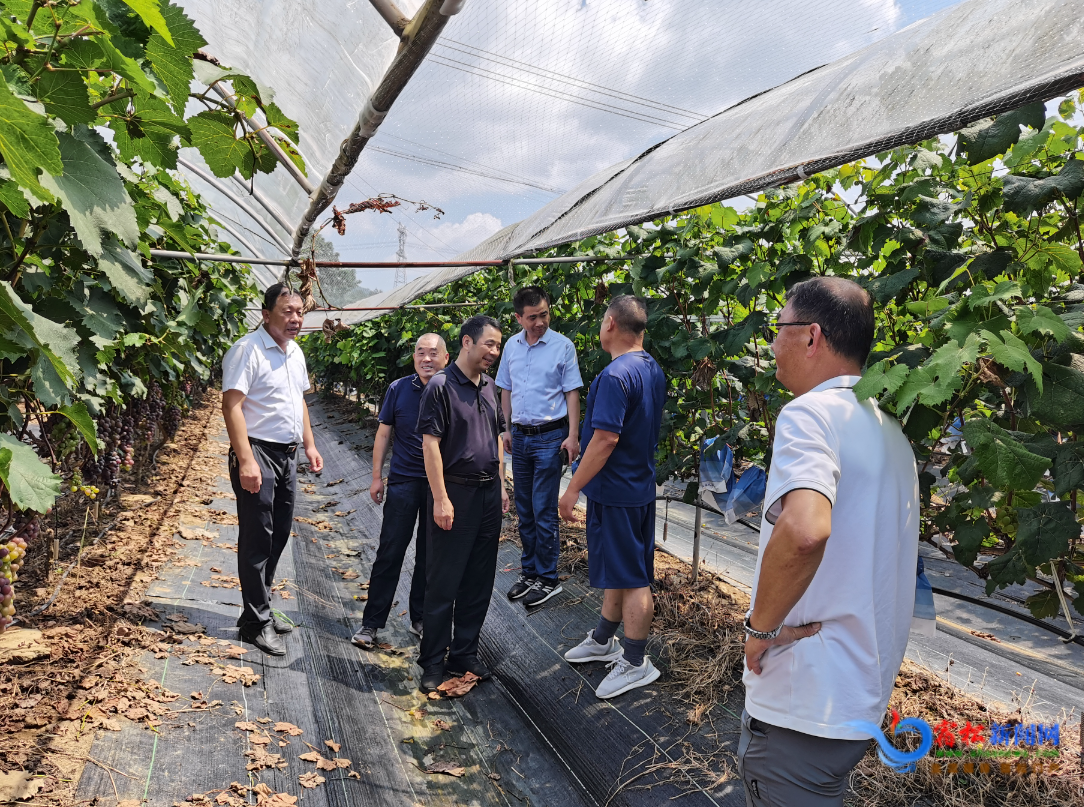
365, 638
590, 650
623, 677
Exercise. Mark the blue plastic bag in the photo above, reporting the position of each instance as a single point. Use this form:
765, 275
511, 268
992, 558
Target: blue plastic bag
746, 494
716, 466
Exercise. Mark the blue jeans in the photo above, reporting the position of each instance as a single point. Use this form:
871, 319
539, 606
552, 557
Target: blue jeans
536, 468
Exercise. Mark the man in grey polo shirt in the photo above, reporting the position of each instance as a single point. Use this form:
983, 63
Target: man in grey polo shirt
540, 379
834, 587
264, 380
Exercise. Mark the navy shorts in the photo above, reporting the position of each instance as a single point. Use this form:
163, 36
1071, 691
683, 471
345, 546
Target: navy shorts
620, 545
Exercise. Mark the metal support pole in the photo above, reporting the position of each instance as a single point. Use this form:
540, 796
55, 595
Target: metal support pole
269, 141
392, 15
222, 188
699, 518
215, 256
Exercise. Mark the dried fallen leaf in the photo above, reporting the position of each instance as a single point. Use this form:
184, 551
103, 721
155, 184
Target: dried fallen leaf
245, 725
15, 785
311, 779
263, 719
458, 687
342, 763
354, 775
441, 725
449, 768
311, 756
288, 728
417, 713
326, 764
334, 746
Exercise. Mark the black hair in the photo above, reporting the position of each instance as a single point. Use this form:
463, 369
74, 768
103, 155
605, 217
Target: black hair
842, 308
273, 293
474, 327
629, 313
529, 295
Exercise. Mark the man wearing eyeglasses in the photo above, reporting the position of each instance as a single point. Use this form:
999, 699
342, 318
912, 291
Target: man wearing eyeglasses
834, 587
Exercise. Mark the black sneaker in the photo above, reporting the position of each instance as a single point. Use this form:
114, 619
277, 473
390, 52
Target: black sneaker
431, 679
520, 587
541, 590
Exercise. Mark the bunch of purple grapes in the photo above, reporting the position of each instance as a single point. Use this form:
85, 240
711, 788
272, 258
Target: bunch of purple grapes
172, 420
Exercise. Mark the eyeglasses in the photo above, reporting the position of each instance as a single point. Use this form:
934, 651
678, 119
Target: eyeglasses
769, 331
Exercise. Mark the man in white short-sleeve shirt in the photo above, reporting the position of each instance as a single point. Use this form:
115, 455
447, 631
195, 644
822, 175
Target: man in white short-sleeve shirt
264, 380
834, 588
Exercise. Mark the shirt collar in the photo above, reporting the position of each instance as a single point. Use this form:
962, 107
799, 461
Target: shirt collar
461, 377
541, 340
840, 381
416, 381
269, 342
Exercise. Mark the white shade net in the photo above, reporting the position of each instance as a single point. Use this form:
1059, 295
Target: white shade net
577, 117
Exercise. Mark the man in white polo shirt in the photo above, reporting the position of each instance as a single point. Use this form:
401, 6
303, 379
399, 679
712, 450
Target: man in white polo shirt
834, 588
264, 380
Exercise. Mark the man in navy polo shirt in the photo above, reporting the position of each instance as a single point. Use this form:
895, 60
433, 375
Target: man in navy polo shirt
617, 474
540, 381
407, 490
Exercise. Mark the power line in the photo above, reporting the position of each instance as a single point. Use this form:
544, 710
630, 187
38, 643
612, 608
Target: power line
563, 78
520, 84
452, 167
527, 181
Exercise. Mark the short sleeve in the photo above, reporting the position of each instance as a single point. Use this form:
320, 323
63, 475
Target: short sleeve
804, 457
305, 371
504, 371
433, 408
572, 378
502, 425
610, 404
387, 409
237, 368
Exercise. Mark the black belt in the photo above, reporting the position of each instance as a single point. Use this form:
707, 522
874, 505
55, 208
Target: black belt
470, 481
546, 427
286, 448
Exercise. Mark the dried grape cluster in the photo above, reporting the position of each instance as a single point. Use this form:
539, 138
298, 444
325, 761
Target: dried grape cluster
12, 553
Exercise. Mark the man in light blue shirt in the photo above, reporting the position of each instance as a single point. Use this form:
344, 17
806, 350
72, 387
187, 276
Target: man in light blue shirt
540, 381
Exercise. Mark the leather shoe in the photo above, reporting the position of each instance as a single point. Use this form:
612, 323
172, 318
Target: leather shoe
266, 639
430, 681
457, 668
281, 625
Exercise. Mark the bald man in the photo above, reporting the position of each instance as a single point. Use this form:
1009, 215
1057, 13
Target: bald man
405, 493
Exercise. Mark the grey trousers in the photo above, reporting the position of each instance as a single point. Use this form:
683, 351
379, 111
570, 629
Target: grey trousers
264, 520
785, 768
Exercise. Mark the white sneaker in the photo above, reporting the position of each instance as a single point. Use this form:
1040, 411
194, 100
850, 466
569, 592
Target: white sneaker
623, 677
590, 650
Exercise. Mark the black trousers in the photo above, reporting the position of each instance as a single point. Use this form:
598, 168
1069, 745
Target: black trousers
404, 504
461, 564
264, 520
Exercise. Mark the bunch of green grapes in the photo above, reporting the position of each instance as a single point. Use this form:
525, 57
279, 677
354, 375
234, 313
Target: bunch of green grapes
11, 560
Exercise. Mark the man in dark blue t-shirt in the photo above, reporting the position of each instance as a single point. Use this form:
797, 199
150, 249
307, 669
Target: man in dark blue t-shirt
406, 493
617, 474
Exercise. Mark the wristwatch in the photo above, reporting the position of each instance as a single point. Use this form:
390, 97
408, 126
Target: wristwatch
764, 635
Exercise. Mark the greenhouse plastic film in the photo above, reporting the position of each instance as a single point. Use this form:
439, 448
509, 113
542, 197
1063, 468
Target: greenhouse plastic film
970, 61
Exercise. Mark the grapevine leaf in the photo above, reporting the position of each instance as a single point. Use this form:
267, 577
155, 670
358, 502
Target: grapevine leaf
1005, 462
173, 206
1068, 468
1045, 531
1006, 570
172, 60
886, 287
78, 415
30, 483
213, 135
295, 157
1062, 256
100, 314
11, 196
982, 296
277, 118
990, 264
101, 54
65, 95
151, 13
732, 254
878, 379
150, 133
1025, 195
14, 33
55, 342
1044, 604
969, 537
989, 138
934, 382
1060, 403
1007, 350
126, 273
93, 194
27, 142
1042, 321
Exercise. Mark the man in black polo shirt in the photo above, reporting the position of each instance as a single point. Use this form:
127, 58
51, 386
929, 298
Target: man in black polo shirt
461, 424
407, 491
